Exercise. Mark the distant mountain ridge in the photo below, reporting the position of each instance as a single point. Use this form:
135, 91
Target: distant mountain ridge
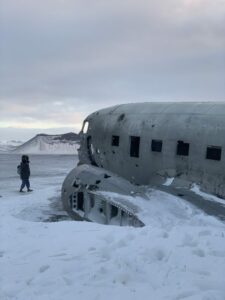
7, 146
70, 136
67, 143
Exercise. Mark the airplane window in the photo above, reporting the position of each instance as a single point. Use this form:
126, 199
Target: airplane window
75, 184
85, 127
156, 146
80, 201
115, 140
182, 148
134, 146
214, 153
121, 117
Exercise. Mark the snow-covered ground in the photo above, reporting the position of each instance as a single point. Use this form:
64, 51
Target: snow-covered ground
180, 254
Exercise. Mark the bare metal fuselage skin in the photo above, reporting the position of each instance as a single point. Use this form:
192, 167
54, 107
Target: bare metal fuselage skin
201, 125
148, 142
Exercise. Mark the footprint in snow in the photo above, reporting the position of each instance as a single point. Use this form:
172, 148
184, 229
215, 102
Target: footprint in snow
158, 254
165, 235
44, 268
217, 253
121, 244
58, 254
199, 252
67, 280
109, 238
185, 294
91, 249
189, 241
204, 233
130, 236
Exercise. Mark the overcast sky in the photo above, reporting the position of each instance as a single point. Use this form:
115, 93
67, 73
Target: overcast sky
63, 59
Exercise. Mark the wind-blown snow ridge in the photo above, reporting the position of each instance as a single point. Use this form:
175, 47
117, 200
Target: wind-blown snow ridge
50, 144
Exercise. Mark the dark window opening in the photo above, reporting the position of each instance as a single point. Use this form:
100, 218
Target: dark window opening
106, 176
182, 148
80, 201
156, 146
92, 187
114, 211
134, 146
75, 184
121, 117
214, 153
115, 140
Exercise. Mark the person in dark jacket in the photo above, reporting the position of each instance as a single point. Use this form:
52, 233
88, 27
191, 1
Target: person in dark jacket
25, 173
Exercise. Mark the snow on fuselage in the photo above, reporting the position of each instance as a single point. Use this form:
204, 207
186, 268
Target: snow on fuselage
146, 143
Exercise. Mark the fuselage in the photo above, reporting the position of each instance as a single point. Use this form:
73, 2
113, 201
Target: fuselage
145, 141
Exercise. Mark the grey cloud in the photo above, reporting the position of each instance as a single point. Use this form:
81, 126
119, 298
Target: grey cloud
90, 54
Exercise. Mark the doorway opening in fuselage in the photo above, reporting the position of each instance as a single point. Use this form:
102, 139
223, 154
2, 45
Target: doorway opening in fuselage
80, 201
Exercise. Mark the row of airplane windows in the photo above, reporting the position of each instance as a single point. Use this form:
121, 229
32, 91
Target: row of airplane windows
212, 152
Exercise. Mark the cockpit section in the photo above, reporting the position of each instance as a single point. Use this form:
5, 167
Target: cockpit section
86, 151
85, 127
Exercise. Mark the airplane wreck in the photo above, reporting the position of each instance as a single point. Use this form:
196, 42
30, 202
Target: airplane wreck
126, 147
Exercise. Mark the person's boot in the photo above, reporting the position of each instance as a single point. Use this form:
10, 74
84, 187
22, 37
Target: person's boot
30, 190
21, 191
